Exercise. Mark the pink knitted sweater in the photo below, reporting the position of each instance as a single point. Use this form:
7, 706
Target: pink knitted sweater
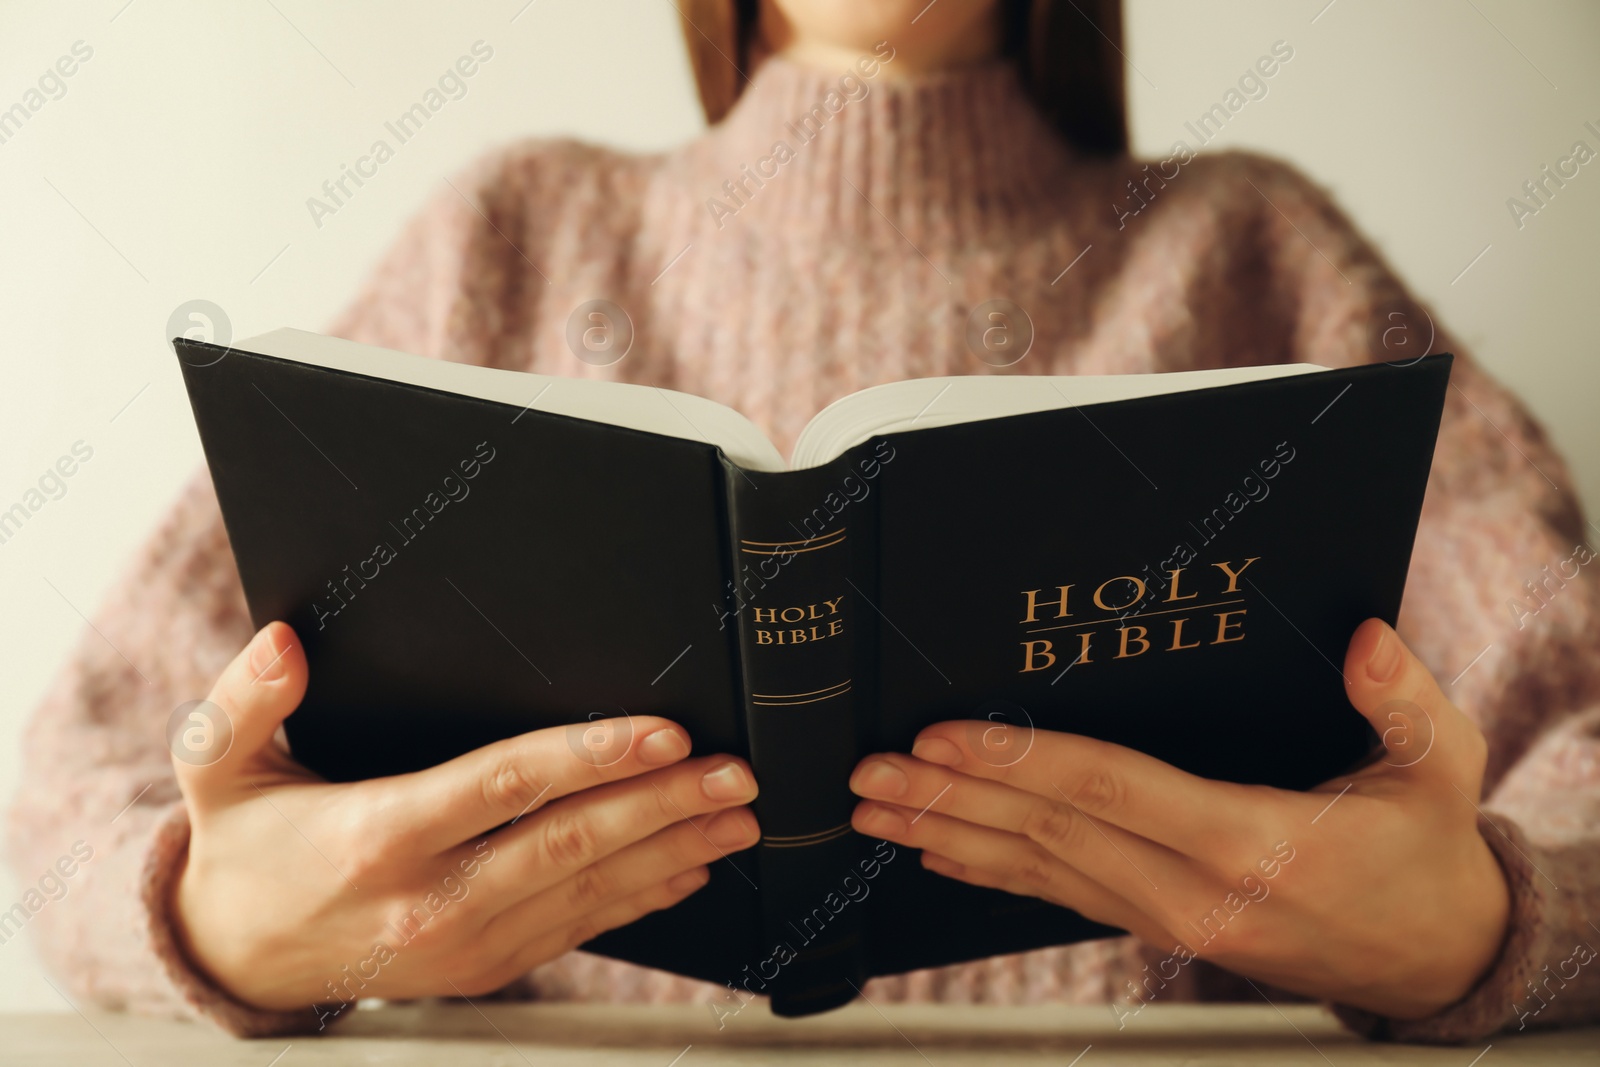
776, 280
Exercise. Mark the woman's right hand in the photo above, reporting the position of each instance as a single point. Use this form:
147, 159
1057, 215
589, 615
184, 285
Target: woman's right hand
300, 892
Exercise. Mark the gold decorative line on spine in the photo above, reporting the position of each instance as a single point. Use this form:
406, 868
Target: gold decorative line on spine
793, 551
805, 541
797, 703
812, 693
818, 838
806, 837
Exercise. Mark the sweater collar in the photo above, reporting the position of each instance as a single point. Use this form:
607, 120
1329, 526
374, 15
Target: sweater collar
948, 158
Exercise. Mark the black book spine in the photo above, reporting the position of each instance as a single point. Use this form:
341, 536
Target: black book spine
799, 624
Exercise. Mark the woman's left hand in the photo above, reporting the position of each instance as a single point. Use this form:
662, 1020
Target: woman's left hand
1374, 890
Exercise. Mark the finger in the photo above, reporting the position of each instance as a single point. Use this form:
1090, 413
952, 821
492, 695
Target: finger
508, 780
563, 838
1124, 863
1117, 785
1425, 734
525, 956
1002, 860
231, 731
684, 846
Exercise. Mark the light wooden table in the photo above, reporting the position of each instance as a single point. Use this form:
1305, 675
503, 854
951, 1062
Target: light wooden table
549, 1035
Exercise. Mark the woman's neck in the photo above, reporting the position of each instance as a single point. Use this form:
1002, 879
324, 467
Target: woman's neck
950, 39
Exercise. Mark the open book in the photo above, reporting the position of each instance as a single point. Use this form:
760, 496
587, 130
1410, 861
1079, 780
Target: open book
1173, 562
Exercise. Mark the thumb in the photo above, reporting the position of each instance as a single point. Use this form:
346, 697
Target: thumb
1425, 735
216, 741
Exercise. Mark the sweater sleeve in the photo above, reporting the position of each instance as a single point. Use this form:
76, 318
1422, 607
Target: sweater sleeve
98, 796
1502, 603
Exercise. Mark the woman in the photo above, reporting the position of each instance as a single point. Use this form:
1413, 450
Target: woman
878, 170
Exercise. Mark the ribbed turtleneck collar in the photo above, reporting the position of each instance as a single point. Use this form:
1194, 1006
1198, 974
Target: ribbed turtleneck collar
947, 158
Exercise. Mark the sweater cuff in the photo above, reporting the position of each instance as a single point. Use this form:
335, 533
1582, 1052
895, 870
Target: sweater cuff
164, 860
1491, 1005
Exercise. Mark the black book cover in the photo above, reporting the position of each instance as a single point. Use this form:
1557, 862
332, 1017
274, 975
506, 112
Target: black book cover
1177, 573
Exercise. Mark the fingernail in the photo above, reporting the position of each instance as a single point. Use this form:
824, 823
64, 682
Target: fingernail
880, 778
1385, 659
733, 829
728, 782
937, 750
880, 821
266, 657
689, 881
663, 746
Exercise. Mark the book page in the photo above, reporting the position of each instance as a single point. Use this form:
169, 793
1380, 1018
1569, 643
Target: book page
638, 407
922, 403
919, 403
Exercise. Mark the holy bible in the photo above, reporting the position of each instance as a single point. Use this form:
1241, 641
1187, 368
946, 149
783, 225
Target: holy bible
1173, 562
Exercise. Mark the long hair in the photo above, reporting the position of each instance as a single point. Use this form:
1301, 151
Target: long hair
1068, 53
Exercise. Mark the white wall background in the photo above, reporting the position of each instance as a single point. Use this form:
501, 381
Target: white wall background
178, 162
